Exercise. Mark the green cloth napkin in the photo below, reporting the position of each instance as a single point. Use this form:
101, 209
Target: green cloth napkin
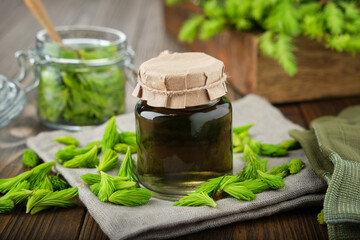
333, 149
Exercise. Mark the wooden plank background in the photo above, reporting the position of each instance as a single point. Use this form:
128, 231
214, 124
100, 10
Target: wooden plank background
142, 21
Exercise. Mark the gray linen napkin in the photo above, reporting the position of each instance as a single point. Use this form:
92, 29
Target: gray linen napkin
159, 219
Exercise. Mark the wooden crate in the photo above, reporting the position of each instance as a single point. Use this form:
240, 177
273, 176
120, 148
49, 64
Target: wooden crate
322, 72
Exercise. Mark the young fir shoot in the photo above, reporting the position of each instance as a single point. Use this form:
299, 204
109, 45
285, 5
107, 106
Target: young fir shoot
274, 181
282, 170
227, 180
236, 140
120, 185
239, 191
50, 199
6, 205
19, 193
87, 160
45, 184
255, 146
108, 161
252, 164
91, 178
273, 150
128, 138
241, 129
39, 173
69, 152
295, 166
67, 140
196, 199
263, 164
35, 197
127, 168
255, 185
106, 187
131, 197
242, 139
122, 148
8, 183
58, 183
66, 154
95, 188
214, 186
290, 144
110, 137
30, 159
211, 186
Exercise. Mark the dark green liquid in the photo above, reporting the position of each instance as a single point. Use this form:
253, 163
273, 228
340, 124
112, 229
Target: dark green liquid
181, 148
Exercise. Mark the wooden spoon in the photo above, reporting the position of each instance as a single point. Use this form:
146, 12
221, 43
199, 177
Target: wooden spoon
38, 10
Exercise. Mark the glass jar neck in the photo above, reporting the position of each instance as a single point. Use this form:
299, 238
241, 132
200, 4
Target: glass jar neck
192, 108
83, 45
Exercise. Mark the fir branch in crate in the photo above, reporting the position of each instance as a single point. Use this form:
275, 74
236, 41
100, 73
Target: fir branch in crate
335, 24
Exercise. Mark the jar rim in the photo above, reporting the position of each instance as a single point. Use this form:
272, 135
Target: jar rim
119, 41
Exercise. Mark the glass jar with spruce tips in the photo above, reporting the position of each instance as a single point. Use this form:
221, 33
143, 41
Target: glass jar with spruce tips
82, 81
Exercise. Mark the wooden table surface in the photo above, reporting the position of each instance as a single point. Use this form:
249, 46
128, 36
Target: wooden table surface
142, 22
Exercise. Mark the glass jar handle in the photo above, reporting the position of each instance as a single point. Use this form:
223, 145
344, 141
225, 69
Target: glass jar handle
128, 63
22, 59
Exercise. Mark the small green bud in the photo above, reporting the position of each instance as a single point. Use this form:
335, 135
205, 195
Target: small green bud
45, 200
127, 168
273, 150
30, 159
273, 181
290, 144
255, 146
58, 183
6, 205
131, 197
239, 191
119, 185
243, 128
91, 178
211, 186
252, 164
128, 138
45, 184
95, 188
255, 185
295, 166
87, 160
196, 199
107, 187
110, 137
19, 193
282, 170
67, 140
263, 165
122, 148
108, 161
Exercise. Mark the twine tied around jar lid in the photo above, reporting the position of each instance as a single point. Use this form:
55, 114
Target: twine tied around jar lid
180, 80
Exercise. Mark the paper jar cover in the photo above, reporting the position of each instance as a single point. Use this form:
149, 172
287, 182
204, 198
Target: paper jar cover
179, 80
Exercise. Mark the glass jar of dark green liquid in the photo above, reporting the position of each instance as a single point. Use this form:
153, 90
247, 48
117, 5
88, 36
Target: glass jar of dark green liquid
183, 123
